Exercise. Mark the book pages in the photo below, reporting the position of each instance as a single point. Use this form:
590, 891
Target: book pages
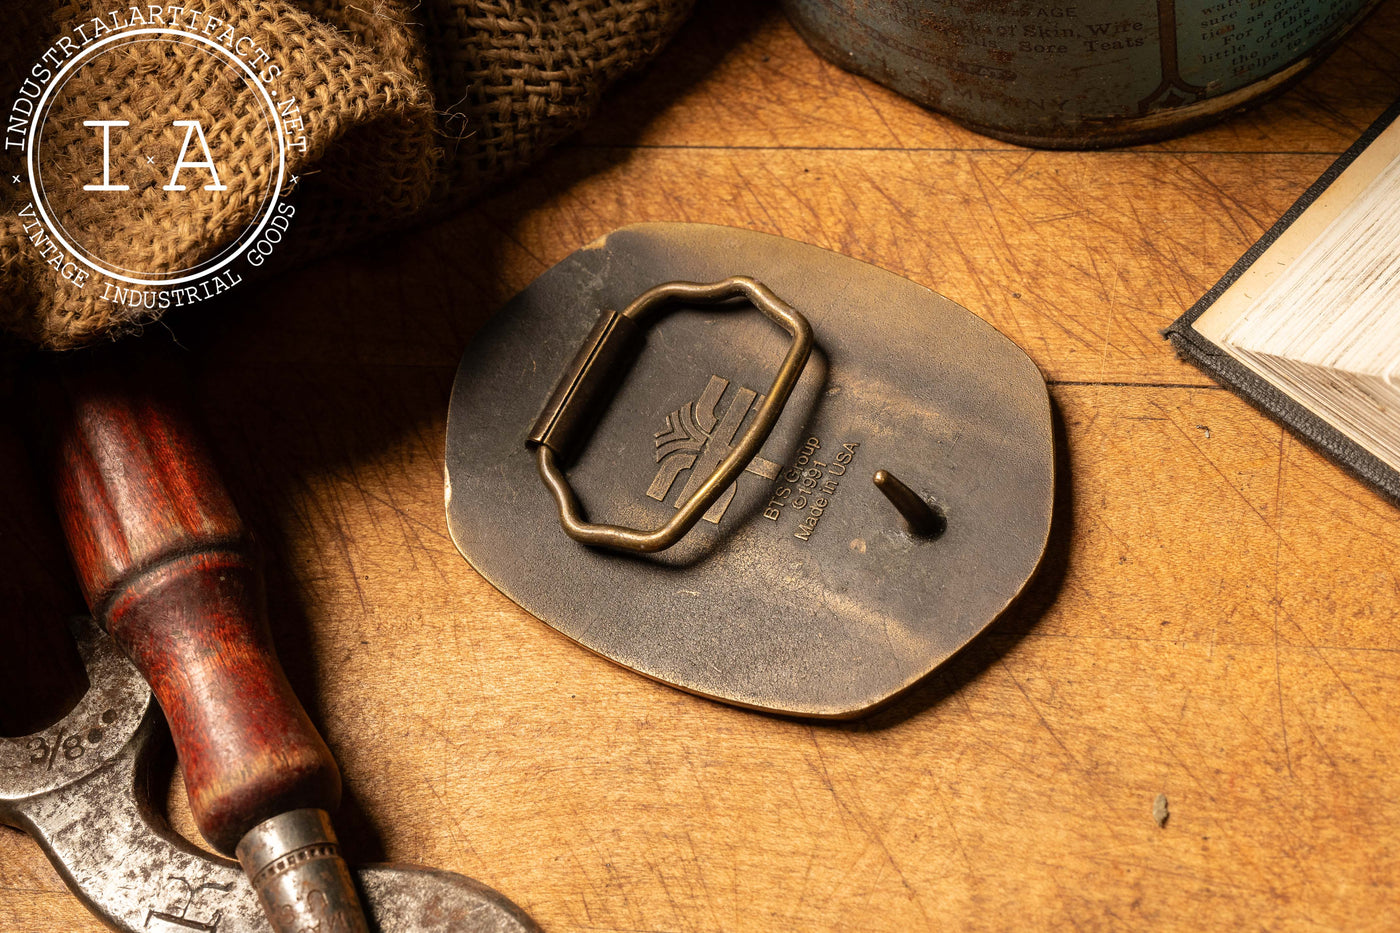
1317, 315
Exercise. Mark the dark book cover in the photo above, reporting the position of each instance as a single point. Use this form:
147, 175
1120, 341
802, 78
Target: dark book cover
1203, 352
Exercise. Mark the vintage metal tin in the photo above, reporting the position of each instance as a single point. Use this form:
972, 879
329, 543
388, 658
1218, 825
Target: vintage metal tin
1078, 73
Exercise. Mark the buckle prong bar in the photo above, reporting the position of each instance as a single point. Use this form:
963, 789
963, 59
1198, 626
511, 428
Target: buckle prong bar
590, 382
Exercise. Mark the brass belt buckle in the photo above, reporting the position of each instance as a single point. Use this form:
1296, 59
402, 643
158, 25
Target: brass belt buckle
588, 384
809, 595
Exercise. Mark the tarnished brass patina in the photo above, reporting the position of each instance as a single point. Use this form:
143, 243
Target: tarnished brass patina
601, 362
921, 518
802, 589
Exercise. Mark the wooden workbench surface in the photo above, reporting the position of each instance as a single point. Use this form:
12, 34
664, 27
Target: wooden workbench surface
1218, 622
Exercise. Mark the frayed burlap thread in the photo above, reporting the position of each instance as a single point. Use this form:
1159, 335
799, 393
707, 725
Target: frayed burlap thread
514, 77
407, 105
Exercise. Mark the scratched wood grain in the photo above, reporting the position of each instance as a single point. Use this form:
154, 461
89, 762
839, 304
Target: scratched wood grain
1082, 258
1217, 623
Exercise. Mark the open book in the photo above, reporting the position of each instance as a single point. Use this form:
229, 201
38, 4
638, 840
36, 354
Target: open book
1307, 323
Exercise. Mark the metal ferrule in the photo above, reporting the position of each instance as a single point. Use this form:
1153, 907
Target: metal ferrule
297, 871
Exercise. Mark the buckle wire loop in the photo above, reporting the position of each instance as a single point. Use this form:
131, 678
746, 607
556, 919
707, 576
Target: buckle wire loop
582, 394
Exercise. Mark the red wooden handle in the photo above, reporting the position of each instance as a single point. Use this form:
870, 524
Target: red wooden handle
168, 568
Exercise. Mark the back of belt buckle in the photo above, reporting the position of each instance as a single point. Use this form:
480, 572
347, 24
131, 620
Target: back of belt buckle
807, 589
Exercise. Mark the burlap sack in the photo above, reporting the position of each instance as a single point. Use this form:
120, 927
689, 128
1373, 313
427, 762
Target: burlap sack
406, 104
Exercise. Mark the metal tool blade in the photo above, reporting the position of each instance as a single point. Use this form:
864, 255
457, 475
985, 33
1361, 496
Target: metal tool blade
82, 790
808, 591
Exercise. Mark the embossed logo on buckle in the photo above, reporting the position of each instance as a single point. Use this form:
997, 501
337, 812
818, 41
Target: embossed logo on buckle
587, 386
698, 439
